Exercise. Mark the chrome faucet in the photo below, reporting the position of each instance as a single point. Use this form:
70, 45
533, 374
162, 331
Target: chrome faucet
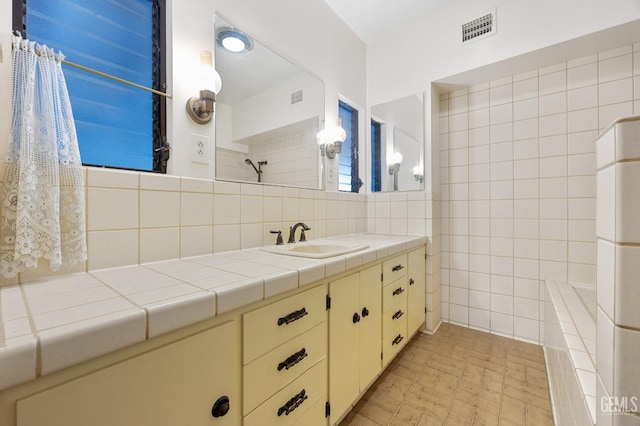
292, 232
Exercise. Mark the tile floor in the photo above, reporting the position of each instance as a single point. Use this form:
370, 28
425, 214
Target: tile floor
459, 376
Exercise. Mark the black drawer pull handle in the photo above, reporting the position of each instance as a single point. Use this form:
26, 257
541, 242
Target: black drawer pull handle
397, 268
293, 316
293, 360
293, 403
411, 282
397, 340
356, 318
398, 314
398, 291
365, 312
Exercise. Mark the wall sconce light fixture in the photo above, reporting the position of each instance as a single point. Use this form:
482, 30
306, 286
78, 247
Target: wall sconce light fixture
330, 140
394, 163
418, 174
394, 167
200, 108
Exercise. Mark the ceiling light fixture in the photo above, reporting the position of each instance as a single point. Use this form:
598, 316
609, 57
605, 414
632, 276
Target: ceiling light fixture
233, 40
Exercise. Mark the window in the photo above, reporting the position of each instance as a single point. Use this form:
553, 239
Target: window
348, 177
118, 125
376, 156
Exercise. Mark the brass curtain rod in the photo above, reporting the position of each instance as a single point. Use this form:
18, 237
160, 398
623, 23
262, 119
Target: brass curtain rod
111, 77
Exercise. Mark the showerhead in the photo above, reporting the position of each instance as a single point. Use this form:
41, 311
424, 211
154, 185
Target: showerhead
250, 163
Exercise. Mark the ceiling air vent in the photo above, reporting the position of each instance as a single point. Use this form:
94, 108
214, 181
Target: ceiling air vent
296, 97
480, 27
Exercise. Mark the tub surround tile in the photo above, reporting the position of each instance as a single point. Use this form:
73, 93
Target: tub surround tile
618, 232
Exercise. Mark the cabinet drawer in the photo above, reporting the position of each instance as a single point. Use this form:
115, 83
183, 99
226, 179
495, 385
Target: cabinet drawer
394, 268
277, 368
394, 339
315, 415
269, 326
300, 396
395, 315
393, 293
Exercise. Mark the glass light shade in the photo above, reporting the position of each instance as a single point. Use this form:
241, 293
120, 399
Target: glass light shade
208, 77
339, 134
396, 158
321, 137
233, 44
417, 170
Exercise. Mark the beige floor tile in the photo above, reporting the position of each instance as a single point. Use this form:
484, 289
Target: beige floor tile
459, 376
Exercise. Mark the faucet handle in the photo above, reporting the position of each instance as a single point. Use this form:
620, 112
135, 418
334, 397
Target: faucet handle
279, 241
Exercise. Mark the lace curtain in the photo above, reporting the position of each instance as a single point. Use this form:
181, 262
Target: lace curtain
43, 209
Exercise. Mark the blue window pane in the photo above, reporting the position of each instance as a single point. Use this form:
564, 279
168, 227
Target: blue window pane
114, 121
348, 179
376, 160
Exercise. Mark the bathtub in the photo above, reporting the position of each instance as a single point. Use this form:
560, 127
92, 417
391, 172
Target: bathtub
570, 351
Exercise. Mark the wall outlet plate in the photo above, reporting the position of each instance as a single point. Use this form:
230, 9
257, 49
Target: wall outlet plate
199, 149
331, 172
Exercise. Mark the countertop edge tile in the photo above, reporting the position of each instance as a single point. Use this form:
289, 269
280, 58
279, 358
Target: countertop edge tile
280, 282
170, 315
71, 344
17, 361
236, 295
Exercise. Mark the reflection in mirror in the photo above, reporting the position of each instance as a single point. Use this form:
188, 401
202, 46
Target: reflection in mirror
397, 145
268, 114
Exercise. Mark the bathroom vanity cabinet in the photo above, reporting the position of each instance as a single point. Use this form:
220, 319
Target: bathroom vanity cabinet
285, 360
183, 383
417, 289
354, 337
303, 357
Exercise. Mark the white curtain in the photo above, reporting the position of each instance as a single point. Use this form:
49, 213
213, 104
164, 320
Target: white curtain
43, 209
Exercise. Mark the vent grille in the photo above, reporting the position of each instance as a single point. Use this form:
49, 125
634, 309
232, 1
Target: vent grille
296, 97
485, 25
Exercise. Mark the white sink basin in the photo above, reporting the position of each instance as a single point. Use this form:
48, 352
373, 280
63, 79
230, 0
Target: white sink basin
315, 249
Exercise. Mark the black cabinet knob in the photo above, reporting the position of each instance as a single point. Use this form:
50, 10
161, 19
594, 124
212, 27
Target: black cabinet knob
220, 407
365, 312
356, 318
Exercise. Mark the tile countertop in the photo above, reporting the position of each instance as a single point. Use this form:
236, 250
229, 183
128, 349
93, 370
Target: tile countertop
52, 324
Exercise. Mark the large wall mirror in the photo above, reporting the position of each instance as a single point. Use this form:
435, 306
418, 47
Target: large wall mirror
397, 145
268, 114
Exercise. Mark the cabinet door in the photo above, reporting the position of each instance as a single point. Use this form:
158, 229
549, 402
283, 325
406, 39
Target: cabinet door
370, 325
344, 342
417, 297
176, 384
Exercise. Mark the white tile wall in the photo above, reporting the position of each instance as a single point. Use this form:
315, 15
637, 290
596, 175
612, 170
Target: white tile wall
518, 186
137, 217
618, 257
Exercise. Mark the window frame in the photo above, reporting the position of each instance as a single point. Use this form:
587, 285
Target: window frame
376, 156
160, 146
352, 129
